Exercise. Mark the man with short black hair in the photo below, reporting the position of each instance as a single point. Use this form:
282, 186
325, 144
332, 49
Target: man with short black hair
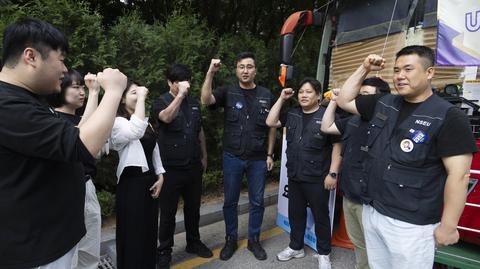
42, 185
419, 151
248, 147
184, 154
352, 183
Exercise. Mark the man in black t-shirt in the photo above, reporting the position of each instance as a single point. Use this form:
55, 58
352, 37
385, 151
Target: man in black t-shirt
354, 135
181, 139
419, 153
42, 186
248, 147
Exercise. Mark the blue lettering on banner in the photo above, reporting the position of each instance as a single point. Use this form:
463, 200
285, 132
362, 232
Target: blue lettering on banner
472, 22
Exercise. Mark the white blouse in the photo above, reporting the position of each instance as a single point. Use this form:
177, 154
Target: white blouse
125, 139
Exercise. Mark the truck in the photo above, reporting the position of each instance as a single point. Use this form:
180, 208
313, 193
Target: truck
350, 31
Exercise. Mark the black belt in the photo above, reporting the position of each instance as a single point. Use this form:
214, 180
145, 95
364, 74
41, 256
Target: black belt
88, 177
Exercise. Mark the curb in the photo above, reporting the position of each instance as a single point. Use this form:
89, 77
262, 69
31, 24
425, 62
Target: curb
209, 213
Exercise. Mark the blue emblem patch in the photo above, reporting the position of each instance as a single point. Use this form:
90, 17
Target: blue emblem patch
239, 105
418, 137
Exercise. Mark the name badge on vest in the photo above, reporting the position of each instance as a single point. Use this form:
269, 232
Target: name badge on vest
406, 145
239, 105
418, 136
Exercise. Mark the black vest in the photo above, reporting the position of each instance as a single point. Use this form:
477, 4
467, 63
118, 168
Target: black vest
244, 134
178, 140
406, 175
308, 154
352, 180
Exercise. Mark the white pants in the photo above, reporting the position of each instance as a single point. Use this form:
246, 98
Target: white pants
395, 244
64, 262
87, 255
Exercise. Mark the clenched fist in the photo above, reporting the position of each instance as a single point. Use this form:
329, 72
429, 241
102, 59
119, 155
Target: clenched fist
112, 80
215, 65
374, 62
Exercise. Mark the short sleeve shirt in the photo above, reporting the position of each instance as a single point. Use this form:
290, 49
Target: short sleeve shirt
456, 125
42, 187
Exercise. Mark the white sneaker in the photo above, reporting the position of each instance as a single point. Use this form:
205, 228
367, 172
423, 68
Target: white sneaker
288, 254
324, 262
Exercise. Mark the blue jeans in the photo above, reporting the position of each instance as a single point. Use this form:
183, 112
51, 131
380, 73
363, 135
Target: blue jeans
233, 171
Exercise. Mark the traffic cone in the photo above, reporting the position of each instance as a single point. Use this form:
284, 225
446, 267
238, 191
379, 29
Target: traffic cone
340, 237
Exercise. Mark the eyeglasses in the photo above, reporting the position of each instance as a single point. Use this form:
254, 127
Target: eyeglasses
243, 67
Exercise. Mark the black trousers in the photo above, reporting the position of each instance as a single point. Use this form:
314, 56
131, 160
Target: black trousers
187, 183
137, 220
313, 195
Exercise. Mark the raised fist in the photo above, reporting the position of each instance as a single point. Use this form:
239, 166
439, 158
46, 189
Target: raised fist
287, 93
214, 65
112, 80
92, 83
374, 62
141, 91
183, 88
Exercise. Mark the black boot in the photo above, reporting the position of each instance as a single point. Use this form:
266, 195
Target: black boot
163, 259
197, 247
229, 248
255, 247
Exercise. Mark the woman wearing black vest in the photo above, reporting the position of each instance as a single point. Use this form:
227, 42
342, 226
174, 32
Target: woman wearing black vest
140, 179
313, 160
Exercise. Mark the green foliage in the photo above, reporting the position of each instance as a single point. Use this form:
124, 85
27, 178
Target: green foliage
106, 178
138, 50
142, 37
107, 203
212, 181
89, 48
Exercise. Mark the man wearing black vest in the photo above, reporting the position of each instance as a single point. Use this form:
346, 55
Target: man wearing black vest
248, 147
419, 153
354, 135
177, 117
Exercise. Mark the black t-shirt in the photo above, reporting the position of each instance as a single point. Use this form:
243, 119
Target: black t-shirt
90, 167
455, 126
342, 124
42, 187
220, 95
306, 118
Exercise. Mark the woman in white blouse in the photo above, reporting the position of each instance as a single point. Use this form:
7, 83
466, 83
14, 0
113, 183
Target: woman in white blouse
140, 180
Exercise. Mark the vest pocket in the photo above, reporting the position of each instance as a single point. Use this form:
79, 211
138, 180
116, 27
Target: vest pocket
317, 141
312, 168
232, 115
258, 142
176, 125
408, 151
175, 146
233, 139
312, 163
402, 187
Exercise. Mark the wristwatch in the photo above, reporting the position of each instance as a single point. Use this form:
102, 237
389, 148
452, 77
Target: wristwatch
271, 155
333, 175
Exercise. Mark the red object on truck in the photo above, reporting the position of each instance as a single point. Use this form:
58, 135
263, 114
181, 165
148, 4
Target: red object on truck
469, 224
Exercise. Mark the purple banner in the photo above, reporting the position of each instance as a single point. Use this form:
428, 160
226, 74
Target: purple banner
458, 35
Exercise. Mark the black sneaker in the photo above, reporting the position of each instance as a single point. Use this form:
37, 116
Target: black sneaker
229, 248
197, 247
257, 250
163, 259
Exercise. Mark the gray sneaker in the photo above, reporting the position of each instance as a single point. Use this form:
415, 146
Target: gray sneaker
324, 262
288, 254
